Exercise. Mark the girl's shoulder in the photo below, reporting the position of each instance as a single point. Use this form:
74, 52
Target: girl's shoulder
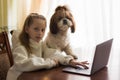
19, 48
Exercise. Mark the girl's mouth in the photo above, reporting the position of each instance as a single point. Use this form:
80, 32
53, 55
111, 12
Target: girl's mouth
38, 37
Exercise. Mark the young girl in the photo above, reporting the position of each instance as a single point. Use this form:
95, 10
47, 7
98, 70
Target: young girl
30, 53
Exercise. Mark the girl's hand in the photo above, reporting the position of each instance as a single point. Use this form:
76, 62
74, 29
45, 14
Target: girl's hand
57, 63
75, 63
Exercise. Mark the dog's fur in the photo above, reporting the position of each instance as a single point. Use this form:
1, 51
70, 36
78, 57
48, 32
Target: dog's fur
57, 37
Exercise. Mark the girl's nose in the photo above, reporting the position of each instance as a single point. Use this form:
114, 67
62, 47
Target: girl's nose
40, 32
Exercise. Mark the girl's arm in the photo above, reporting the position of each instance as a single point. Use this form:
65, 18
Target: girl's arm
23, 62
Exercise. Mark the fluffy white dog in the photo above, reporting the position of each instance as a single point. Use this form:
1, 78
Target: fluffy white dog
57, 37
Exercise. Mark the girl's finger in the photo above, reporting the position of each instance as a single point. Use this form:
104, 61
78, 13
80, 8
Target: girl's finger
85, 62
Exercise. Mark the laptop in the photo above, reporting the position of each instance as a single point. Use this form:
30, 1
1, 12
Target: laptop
99, 60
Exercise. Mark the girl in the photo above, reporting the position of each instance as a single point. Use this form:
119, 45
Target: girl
30, 53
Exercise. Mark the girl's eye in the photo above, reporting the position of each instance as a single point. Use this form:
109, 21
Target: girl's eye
43, 30
36, 29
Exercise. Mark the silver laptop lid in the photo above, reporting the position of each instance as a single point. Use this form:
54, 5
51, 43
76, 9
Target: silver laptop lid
101, 55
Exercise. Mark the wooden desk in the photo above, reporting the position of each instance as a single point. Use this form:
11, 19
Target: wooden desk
57, 74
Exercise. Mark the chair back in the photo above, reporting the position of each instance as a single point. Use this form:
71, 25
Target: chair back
6, 59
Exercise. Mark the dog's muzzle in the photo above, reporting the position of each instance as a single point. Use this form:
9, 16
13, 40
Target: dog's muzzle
65, 22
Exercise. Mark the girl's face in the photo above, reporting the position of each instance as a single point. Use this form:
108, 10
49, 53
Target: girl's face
36, 30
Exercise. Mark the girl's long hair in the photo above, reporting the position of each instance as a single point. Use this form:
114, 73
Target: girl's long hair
24, 37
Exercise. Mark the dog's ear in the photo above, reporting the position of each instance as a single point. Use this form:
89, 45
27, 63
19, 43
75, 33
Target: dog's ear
53, 26
73, 22
73, 28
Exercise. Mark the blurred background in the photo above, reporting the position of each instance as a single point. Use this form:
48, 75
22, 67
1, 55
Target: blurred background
96, 20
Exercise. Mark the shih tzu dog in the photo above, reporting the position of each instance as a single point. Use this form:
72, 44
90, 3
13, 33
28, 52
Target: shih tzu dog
57, 37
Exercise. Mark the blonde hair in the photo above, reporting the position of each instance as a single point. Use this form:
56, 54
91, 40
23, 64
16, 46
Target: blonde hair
24, 37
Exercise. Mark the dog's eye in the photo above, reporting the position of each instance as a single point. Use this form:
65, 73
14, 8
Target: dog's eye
59, 18
68, 17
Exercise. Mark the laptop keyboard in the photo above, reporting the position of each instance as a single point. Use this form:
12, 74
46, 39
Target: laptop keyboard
79, 68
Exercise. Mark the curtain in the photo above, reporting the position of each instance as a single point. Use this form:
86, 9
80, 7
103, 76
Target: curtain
18, 11
3, 16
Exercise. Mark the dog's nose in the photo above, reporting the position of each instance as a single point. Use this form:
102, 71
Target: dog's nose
64, 21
